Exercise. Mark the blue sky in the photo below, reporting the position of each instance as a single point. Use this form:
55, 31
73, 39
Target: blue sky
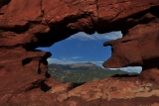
82, 47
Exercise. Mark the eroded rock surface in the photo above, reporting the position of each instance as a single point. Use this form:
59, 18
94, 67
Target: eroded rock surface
27, 24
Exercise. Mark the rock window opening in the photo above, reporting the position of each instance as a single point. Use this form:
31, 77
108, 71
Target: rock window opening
4, 2
79, 58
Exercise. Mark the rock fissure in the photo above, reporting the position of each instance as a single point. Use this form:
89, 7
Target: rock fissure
4, 2
42, 11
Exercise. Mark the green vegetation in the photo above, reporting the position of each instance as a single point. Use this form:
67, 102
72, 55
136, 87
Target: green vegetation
80, 73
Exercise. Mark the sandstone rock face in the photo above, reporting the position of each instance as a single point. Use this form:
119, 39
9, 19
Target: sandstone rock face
137, 48
27, 24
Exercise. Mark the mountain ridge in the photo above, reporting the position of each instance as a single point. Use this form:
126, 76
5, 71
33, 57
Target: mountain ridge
82, 72
76, 66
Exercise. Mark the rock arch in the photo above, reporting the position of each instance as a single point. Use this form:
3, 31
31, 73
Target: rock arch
27, 24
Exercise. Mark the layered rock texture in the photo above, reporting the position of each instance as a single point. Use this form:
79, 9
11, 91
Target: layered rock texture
27, 24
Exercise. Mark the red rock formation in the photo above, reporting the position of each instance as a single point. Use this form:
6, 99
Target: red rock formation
136, 46
27, 24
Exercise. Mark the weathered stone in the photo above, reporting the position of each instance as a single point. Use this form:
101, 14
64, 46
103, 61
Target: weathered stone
135, 48
27, 24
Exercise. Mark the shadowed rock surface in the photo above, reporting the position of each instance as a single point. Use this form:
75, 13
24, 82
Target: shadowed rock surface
27, 24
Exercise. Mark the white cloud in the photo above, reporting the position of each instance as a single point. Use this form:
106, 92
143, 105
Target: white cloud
129, 69
59, 61
76, 57
96, 36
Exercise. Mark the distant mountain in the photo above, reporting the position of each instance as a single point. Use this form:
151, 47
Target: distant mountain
81, 72
77, 66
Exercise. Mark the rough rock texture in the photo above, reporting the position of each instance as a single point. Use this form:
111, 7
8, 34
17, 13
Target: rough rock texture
27, 24
138, 47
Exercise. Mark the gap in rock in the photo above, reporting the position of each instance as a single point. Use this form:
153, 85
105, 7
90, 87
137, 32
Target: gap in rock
78, 59
4, 2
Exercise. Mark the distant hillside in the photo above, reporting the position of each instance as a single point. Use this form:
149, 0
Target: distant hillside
78, 66
79, 73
